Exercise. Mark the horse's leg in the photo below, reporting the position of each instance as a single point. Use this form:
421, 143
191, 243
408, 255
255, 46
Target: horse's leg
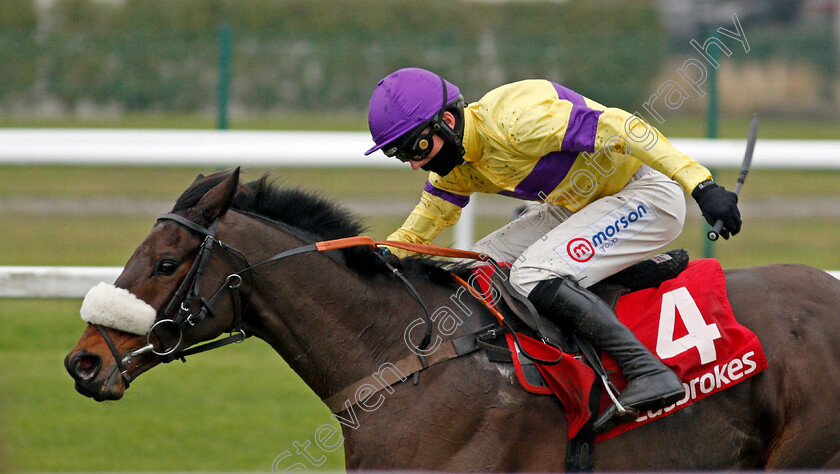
510, 430
833, 463
527, 437
462, 416
808, 436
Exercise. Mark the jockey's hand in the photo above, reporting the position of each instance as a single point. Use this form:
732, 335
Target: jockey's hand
387, 257
717, 203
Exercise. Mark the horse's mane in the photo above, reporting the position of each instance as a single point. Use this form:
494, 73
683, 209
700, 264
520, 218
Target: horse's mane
316, 217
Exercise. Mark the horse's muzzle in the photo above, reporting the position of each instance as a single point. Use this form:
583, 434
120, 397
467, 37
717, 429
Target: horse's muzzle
91, 380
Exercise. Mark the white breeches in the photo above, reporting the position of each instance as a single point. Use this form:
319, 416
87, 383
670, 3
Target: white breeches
608, 235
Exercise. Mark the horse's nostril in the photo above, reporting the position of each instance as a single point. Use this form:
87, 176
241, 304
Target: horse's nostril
86, 366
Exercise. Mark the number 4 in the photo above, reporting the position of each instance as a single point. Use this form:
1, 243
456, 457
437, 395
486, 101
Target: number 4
700, 334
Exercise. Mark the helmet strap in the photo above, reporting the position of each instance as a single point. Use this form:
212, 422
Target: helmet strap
441, 128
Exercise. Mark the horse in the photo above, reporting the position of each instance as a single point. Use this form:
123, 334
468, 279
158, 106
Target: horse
339, 316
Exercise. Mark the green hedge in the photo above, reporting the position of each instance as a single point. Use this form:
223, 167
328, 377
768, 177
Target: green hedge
319, 54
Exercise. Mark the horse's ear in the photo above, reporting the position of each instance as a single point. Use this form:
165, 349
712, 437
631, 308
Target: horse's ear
218, 200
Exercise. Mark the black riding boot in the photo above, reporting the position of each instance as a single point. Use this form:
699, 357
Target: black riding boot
651, 385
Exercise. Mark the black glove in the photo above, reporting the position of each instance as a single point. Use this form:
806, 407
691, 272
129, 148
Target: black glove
717, 203
389, 259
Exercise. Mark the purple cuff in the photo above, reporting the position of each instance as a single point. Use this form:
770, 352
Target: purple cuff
456, 199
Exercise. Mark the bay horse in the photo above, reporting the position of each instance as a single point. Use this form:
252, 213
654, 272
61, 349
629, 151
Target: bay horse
338, 316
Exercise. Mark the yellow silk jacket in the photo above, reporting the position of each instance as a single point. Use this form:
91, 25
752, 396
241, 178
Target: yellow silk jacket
539, 141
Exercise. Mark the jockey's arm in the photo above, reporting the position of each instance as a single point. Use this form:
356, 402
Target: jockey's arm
647, 145
426, 221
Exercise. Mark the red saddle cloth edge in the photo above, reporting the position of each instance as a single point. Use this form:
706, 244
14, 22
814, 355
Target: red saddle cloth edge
570, 380
688, 323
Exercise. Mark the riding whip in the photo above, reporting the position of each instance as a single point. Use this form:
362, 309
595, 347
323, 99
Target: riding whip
745, 168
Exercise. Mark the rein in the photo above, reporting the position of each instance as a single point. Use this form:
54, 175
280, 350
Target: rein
191, 285
188, 290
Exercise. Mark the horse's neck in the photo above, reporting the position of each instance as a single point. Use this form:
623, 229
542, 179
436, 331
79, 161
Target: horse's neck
332, 325
334, 328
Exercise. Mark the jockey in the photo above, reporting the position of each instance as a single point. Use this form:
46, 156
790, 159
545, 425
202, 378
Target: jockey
606, 191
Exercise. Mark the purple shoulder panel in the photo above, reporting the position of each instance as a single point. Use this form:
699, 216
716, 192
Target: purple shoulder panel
550, 170
456, 199
583, 121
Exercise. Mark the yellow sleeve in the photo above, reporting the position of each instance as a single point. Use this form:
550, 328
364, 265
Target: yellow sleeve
648, 145
425, 222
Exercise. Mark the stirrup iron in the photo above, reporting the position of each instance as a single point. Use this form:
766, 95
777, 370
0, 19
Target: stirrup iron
613, 397
622, 412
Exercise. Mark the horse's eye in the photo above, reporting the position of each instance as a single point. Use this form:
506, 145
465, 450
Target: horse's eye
166, 267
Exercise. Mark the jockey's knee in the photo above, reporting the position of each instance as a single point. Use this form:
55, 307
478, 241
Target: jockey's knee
524, 277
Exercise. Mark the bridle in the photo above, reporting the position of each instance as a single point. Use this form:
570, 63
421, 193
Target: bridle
187, 292
190, 290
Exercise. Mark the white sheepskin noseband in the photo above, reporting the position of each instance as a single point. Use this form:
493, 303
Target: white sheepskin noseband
117, 308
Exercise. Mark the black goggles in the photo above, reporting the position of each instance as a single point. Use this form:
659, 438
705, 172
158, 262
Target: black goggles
413, 146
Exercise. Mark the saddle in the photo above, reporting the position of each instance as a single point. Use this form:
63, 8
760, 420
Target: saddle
524, 318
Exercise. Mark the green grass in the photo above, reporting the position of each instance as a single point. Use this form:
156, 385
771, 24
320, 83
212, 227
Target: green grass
169, 182
281, 121
92, 239
674, 125
71, 240
237, 408
772, 126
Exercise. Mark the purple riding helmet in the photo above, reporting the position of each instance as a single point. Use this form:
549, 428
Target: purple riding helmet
404, 104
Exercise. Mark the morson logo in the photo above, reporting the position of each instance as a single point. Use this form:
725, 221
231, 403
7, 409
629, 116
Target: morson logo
621, 223
580, 250
606, 233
